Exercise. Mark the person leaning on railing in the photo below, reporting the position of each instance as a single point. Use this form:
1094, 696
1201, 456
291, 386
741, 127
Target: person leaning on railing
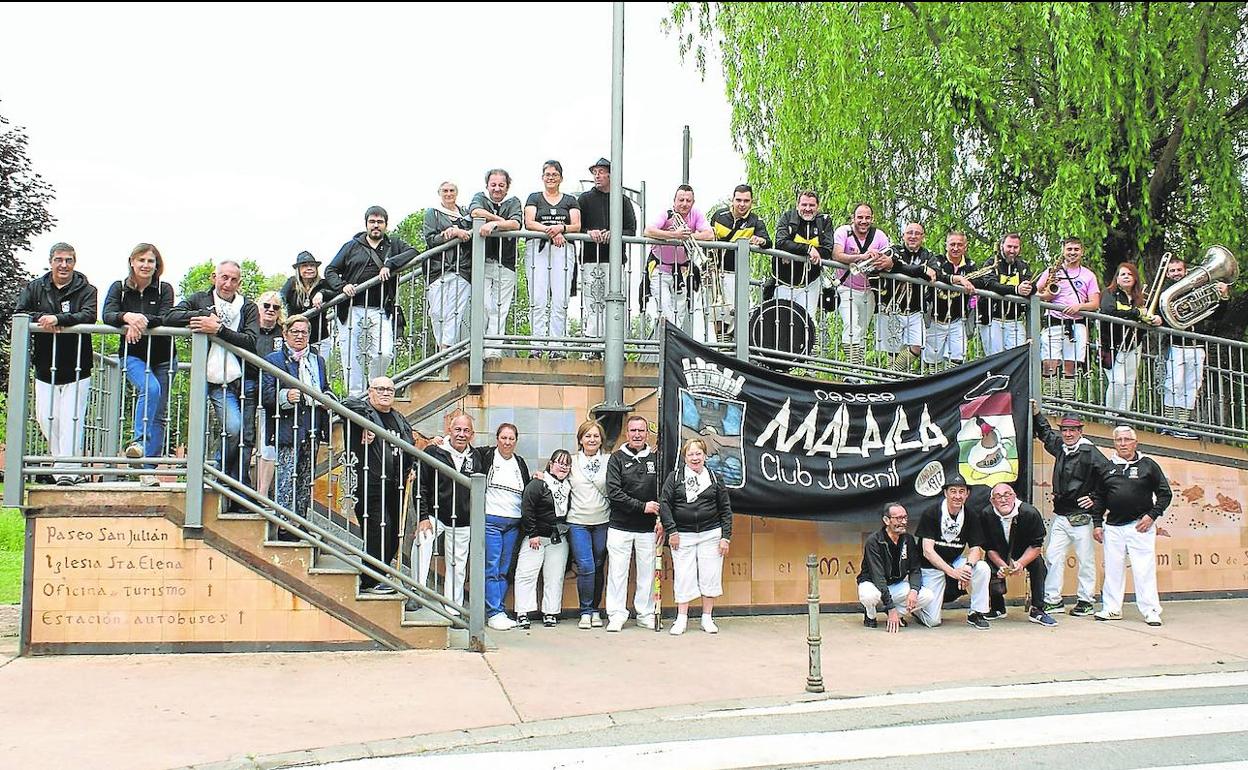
595, 206
946, 334
1185, 360
1120, 344
899, 327
296, 421
272, 320
305, 291
858, 241
1064, 342
549, 261
450, 272
60, 297
1002, 325
501, 213
139, 303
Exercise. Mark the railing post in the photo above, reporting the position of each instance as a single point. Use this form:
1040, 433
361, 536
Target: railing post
814, 674
476, 312
19, 411
1033, 333
197, 427
114, 381
476, 565
741, 302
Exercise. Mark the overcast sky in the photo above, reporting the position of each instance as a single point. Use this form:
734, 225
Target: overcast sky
255, 131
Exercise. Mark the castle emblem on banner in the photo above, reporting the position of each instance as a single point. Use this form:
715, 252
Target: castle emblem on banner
988, 440
709, 410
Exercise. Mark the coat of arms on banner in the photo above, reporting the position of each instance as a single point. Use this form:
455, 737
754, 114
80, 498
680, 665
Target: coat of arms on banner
708, 411
987, 440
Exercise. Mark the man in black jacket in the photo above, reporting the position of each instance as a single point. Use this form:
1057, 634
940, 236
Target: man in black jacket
1001, 324
596, 223
1136, 497
380, 470
732, 224
446, 507
805, 232
1076, 500
367, 321
891, 576
633, 489
227, 315
899, 324
1013, 534
59, 298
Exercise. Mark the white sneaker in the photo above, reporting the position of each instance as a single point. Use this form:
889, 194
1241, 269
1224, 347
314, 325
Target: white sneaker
584, 625
708, 625
501, 622
1153, 618
1107, 615
595, 620
134, 451
615, 625
646, 621
149, 480
678, 627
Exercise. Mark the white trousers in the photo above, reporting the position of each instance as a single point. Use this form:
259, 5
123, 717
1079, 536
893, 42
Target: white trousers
593, 293
549, 271
621, 548
552, 562
1184, 368
697, 565
871, 598
1120, 389
855, 308
61, 411
1121, 542
728, 285
807, 296
1056, 346
689, 313
894, 331
1002, 335
500, 292
455, 557
934, 581
365, 344
447, 299
945, 342
1062, 535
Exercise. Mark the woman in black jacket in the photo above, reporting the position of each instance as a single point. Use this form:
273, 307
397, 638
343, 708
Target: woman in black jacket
697, 514
544, 525
1120, 344
139, 303
305, 291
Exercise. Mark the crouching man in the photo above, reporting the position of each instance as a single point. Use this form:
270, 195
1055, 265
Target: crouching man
890, 576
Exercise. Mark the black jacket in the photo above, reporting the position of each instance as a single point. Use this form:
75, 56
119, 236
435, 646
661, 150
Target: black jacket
154, 302
266, 343
68, 354
356, 262
376, 460
457, 259
913, 264
949, 305
710, 509
297, 423
294, 306
1074, 475
1003, 280
728, 228
1133, 490
442, 497
539, 515
200, 304
631, 483
795, 235
1027, 531
1115, 337
881, 568
596, 215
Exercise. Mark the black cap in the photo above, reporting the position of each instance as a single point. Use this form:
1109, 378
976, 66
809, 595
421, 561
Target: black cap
600, 162
306, 258
956, 480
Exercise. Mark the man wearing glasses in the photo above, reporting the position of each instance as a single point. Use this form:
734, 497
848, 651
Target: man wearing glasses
1013, 535
367, 320
445, 506
381, 469
891, 578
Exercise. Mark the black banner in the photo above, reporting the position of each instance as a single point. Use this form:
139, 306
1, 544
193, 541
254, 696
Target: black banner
807, 449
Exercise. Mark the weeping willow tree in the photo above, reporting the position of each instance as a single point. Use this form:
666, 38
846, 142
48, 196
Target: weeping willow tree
1123, 123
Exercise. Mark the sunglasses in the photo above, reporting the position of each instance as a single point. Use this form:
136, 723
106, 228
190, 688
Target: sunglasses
269, 306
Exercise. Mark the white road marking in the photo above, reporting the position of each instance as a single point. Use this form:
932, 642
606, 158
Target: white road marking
846, 745
1000, 692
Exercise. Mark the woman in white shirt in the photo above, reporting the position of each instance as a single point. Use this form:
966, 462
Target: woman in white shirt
506, 476
588, 516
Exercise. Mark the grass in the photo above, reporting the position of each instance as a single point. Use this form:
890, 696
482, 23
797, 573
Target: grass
12, 533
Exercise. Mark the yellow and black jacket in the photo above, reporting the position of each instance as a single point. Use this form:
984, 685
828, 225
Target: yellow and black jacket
729, 228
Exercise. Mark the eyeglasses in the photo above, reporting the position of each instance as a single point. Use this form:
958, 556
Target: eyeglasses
902, 517
562, 461
382, 388
269, 306
1002, 495
297, 332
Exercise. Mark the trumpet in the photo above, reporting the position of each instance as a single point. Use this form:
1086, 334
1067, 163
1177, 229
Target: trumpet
708, 266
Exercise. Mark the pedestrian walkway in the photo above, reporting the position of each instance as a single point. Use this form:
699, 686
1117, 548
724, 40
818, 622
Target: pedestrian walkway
141, 712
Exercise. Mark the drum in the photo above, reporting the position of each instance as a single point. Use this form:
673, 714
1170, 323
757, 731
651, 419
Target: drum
782, 326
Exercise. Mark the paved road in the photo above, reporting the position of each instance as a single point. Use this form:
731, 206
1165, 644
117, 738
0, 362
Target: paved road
1178, 721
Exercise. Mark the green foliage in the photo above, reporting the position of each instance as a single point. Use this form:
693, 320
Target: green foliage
254, 282
10, 577
1123, 123
25, 198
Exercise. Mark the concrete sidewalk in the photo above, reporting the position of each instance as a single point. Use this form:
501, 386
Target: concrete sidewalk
141, 712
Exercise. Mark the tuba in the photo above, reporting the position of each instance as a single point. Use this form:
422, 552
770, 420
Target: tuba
1194, 297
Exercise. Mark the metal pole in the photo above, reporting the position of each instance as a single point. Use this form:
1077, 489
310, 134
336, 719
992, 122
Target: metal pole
476, 565
741, 302
19, 411
476, 326
1035, 392
617, 313
197, 427
814, 677
114, 399
686, 152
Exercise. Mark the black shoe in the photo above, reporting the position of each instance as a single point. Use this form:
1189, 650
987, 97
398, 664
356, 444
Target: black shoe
995, 615
550, 621
870, 622
522, 622
976, 620
1080, 609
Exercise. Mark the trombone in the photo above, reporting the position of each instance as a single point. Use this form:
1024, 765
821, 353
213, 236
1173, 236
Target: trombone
1154, 289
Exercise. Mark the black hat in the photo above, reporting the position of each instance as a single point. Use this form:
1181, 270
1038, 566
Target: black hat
306, 258
956, 480
601, 162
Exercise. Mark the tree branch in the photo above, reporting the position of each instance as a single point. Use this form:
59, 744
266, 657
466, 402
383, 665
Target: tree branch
1157, 185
